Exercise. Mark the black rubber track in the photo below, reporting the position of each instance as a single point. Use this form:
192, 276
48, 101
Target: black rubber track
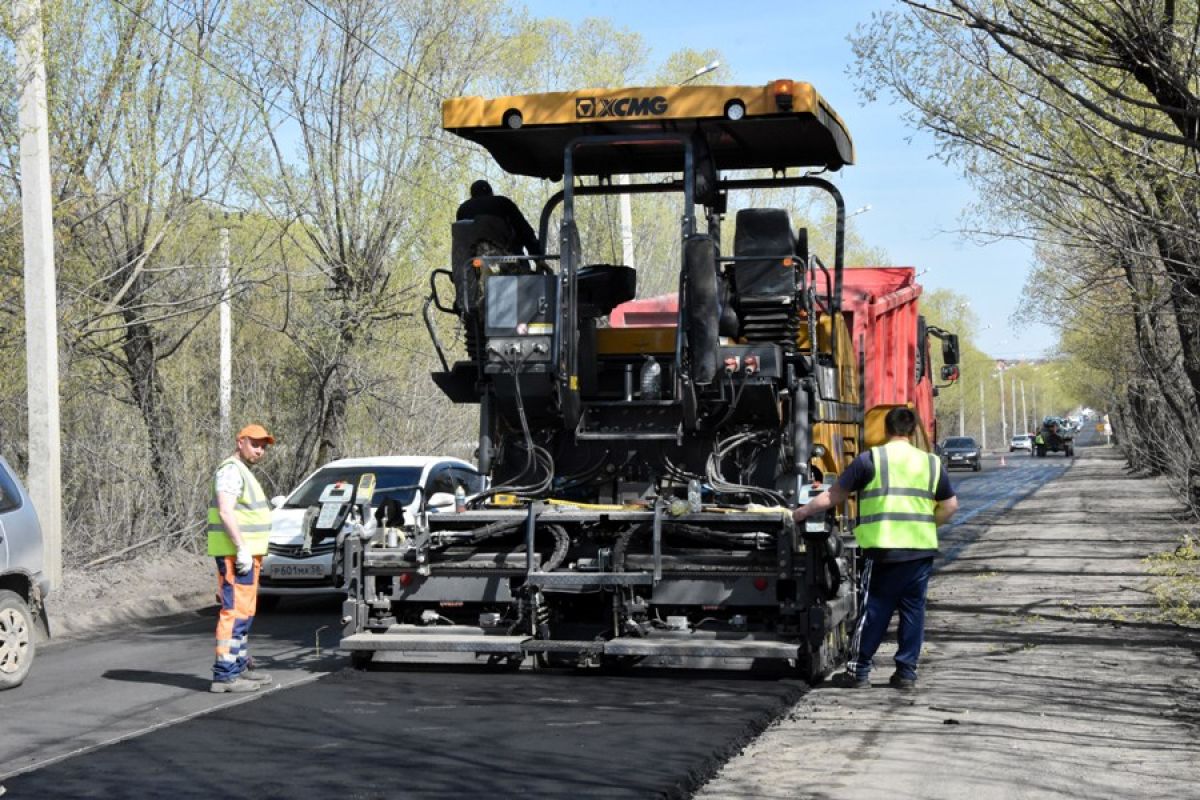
441, 734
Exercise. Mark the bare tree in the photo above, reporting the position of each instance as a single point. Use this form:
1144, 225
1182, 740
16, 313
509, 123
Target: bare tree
1078, 123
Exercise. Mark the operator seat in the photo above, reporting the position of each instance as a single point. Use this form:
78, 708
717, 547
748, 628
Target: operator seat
764, 288
603, 287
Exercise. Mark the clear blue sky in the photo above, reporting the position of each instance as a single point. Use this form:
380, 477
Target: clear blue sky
915, 200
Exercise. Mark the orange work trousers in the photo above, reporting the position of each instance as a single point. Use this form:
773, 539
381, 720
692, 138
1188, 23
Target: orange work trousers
239, 600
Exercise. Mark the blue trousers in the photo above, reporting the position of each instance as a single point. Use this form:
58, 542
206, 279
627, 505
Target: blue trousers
890, 586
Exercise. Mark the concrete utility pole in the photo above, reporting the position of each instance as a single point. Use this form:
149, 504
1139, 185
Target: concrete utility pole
1024, 409
1013, 382
962, 418
226, 324
1003, 414
626, 206
982, 420
41, 304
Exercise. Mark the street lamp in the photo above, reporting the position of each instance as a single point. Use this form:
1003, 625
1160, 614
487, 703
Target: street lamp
702, 71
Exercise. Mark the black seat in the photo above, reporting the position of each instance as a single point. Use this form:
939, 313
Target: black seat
603, 287
764, 288
763, 232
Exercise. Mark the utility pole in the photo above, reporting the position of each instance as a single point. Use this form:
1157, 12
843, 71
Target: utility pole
626, 207
41, 304
226, 325
1024, 409
982, 420
1003, 415
1013, 382
962, 419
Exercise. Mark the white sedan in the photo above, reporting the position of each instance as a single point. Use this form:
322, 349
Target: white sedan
288, 570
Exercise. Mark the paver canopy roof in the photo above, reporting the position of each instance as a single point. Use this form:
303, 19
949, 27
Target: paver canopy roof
783, 124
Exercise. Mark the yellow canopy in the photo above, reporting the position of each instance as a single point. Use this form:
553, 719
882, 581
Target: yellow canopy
784, 124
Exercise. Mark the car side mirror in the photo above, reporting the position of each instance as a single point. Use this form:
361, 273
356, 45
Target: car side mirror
950, 372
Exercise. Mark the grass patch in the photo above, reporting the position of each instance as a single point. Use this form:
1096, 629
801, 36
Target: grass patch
1178, 590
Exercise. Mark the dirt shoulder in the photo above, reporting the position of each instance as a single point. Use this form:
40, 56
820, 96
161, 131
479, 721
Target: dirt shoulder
1047, 670
92, 600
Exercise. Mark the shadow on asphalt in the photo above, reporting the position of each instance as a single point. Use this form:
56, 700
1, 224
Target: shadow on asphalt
177, 679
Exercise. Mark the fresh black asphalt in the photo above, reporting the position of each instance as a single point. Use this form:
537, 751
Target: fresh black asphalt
435, 734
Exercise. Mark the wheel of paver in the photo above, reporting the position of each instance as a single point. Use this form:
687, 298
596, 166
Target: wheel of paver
17, 645
361, 659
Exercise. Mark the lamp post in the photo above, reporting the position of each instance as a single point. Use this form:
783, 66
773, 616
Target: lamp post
702, 71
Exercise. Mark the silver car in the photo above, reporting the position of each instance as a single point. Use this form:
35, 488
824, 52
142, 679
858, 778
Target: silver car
23, 584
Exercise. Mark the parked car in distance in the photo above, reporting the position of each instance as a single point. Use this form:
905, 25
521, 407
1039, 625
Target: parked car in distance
23, 584
961, 451
289, 571
1022, 441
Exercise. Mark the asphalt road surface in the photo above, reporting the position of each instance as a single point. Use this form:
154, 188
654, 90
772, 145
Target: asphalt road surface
127, 714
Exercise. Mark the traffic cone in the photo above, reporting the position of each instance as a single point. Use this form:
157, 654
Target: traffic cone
1002, 462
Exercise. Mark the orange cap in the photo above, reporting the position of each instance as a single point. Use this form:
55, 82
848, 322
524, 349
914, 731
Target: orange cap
256, 431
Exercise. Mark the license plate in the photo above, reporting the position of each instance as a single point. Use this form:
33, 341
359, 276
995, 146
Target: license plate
297, 571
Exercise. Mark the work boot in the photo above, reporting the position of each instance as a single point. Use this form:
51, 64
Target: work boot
237, 685
898, 681
848, 680
256, 675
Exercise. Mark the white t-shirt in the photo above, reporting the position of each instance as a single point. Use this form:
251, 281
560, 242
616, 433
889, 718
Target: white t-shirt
229, 480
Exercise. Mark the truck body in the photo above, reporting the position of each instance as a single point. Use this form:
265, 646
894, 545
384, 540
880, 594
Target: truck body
642, 476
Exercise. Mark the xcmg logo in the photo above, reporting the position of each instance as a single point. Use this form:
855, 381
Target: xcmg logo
594, 107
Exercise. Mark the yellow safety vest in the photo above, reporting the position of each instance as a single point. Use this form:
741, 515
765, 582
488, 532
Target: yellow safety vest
895, 510
252, 511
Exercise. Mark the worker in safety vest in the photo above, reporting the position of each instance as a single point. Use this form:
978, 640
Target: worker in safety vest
239, 527
903, 496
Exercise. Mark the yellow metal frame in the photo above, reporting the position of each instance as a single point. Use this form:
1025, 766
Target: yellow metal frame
632, 103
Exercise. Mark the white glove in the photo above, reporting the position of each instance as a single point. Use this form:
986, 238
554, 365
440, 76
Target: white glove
244, 562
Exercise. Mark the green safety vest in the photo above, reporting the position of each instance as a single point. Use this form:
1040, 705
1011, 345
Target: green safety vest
895, 510
252, 511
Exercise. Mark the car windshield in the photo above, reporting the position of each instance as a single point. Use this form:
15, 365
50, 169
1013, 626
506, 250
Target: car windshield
960, 442
390, 483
